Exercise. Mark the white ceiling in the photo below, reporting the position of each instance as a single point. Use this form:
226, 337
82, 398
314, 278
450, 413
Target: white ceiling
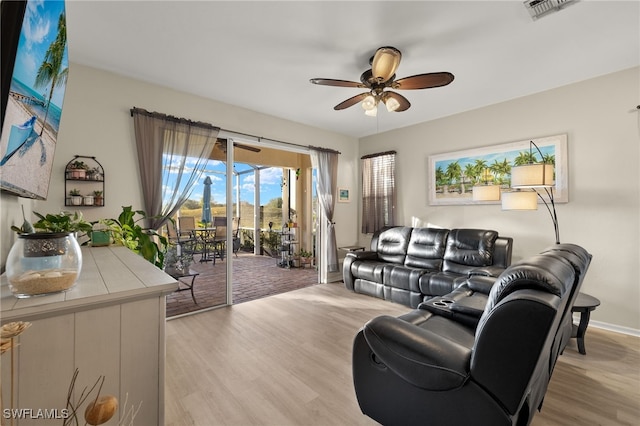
260, 55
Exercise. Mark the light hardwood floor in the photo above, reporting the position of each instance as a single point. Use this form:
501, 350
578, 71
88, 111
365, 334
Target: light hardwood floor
286, 360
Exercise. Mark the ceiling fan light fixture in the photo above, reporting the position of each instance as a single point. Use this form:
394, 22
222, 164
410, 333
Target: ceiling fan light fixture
371, 112
385, 62
369, 103
391, 103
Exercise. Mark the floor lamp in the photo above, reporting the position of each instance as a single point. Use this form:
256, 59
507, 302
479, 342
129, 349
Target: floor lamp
527, 180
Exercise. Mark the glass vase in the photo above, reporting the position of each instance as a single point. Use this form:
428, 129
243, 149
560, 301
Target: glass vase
43, 263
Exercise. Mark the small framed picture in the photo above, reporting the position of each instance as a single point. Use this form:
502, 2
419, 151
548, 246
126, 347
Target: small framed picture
343, 195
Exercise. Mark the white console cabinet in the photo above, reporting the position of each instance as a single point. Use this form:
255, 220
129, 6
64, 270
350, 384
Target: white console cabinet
111, 323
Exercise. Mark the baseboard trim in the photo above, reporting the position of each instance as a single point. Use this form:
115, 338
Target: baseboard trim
615, 328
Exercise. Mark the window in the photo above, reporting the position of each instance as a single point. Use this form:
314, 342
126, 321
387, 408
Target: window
378, 191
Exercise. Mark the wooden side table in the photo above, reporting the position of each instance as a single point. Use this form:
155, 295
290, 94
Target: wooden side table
584, 304
352, 248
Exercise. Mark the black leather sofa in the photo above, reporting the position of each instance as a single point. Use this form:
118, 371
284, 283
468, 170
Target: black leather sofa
409, 265
433, 366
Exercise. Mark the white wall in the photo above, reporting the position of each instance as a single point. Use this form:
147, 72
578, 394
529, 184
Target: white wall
602, 215
96, 121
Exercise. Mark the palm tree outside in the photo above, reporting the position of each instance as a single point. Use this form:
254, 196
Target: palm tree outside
50, 71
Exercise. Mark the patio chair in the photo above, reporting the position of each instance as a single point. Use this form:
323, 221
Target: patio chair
186, 242
186, 225
220, 238
235, 232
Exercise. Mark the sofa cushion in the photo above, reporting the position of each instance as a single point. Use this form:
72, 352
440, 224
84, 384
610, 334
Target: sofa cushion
402, 277
426, 248
392, 244
440, 283
468, 248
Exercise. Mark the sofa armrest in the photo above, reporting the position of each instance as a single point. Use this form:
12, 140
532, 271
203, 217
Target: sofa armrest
480, 283
351, 257
421, 357
362, 255
487, 271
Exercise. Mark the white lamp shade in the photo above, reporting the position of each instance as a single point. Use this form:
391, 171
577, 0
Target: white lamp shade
486, 193
371, 112
391, 103
369, 103
520, 200
532, 175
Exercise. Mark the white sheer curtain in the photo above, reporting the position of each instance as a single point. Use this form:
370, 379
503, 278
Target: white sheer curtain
172, 154
326, 163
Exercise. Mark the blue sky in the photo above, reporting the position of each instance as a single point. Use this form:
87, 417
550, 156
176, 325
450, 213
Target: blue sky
270, 180
39, 29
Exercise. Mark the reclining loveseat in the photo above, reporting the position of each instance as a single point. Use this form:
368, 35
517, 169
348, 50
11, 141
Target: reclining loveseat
433, 366
410, 265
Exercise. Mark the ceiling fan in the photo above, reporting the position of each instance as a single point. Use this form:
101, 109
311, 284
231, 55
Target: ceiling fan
222, 145
381, 76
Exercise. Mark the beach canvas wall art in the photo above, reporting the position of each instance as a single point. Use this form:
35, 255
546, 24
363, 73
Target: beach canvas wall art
35, 98
452, 175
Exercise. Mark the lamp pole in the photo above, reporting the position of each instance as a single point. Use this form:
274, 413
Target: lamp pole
549, 191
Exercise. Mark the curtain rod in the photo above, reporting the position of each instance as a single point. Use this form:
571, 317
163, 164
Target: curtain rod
379, 154
211, 126
172, 118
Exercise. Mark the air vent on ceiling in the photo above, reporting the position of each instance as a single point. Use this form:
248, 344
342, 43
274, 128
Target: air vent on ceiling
539, 8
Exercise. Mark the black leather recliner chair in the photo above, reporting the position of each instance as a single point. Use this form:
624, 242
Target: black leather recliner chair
427, 368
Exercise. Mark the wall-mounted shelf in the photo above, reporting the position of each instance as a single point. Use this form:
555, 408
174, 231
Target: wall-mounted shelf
85, 175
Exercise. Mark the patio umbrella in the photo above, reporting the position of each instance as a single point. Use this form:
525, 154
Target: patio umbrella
206, 201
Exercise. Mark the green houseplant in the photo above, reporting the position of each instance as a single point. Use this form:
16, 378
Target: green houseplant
77, 170
76, 197
97, 195
62, 222
126, 231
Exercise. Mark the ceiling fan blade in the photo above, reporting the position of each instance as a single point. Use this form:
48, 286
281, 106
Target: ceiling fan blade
247, 147
403, 102
385, 62
424, 81
337, 83
351, 101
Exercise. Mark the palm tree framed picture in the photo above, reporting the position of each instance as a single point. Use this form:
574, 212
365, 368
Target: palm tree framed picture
452, 175
38, 65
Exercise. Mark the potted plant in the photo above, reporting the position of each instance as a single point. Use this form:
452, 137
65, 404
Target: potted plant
88, 200
98, 200
62, 222
78, 170
126, 231
94, 173
76, 198
306, 258
100, 235
48, 260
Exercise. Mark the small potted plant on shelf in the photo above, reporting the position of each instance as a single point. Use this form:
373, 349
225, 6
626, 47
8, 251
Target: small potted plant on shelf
94, 173
98, 200
76, 198
77, 170
88, 200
